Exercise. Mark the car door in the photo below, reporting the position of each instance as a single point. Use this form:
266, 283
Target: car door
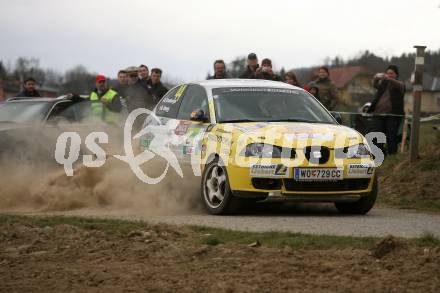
161, 127
191, 132
172, 128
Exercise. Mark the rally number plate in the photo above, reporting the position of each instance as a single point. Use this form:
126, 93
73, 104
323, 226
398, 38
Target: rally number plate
318, 174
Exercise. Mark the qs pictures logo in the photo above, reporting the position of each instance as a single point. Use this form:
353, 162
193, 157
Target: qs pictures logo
159, 145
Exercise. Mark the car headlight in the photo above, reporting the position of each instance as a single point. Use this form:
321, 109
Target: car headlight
262, 150
357, 151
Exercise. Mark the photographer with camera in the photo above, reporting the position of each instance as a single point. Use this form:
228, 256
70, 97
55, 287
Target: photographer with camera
388, 100
266, 72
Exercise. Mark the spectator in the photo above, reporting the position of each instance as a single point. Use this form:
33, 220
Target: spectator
136, 94
219, 70
122, 84
105, 101
388, 100
144, 73
314, 91
291, 79
266, 72
29, 89
252, 65
158, 90
362, 121
144, 77
328, 94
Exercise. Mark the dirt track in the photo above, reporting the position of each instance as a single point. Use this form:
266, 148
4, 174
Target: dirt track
163, 258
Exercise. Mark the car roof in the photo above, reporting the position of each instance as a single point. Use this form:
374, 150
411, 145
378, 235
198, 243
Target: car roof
45, 99
19, 99
236, 82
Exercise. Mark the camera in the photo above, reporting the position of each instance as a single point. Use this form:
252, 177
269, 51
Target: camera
380, 75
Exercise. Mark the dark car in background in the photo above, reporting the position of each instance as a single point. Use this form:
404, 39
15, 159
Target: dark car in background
29, 127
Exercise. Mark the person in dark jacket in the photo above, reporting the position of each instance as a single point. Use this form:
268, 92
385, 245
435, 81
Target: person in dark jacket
314, 91
144, 77
29, 89
388, 99
328, 93
158, 90
252, 65
136, 94
219, 70
122, 84
362, 121
266, 72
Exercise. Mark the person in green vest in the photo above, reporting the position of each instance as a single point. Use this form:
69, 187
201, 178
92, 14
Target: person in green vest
105, 102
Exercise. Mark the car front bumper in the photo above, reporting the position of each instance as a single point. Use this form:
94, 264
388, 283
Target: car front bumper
286, 188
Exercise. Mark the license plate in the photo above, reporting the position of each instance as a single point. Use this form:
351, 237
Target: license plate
318, 174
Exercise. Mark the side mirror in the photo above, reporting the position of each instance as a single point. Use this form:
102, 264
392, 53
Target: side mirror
198, 115
337, 116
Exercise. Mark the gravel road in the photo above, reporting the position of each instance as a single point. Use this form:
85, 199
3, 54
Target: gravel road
308, 219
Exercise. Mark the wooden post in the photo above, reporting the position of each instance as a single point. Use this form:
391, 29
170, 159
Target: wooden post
417, 101
404, 134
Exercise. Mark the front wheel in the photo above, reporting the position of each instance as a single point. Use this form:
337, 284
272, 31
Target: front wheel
216, 193
363, 205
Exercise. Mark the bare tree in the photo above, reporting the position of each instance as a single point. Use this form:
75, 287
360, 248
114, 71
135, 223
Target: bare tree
29, 67
3, 71
78, 80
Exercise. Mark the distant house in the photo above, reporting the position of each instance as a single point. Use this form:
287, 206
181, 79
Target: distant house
9, 89
430, 95
354, 85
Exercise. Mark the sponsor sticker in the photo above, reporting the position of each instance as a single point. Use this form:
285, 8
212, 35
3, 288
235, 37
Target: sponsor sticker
269, 170
182, 128
145, 141
187, 149
360, 170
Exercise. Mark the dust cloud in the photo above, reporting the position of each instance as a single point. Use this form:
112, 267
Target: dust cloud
41, 185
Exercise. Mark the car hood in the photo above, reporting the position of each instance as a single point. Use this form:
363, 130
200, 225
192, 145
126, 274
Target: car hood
284, 133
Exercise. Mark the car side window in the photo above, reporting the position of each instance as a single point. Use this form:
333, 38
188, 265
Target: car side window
62, 111
195, 98
170, 103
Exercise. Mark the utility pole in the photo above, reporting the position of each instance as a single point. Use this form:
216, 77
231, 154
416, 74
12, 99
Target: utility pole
417, 101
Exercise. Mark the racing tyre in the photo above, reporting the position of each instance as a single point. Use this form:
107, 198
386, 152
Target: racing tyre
363, 205
216, 193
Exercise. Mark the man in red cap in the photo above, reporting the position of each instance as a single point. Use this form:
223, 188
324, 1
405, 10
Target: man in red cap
105, 101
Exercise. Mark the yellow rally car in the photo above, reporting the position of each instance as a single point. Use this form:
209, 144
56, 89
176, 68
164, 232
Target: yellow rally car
258, 140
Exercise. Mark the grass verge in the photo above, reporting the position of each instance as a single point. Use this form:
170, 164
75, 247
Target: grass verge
412, 185
214, 236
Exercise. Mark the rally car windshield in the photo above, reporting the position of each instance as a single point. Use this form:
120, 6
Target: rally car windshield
246, 104
23, 112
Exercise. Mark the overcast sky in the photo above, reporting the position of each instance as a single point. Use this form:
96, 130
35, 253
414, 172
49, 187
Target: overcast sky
185, 37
